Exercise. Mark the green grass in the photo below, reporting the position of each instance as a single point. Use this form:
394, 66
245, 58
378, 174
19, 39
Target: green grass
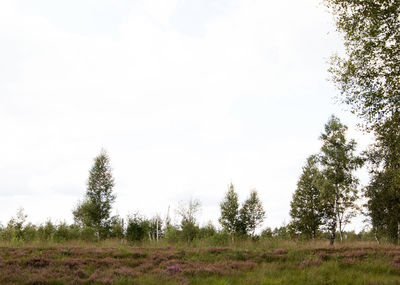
285, 262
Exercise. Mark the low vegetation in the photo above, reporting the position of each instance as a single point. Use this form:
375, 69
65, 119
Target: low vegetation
245, 262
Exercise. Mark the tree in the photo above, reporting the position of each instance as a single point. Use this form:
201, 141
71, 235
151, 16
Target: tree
138, 228
95, 210
383, 192
252, 214
306, 205
338, 163
18, 224
230, 211
188, 214
383, 205
155, 227
368, 77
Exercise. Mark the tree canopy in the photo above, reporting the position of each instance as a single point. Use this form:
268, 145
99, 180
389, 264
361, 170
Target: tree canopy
369, 74
306, 205
95, 210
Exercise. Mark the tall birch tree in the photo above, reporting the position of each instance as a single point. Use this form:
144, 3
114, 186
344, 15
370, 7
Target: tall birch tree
338, 162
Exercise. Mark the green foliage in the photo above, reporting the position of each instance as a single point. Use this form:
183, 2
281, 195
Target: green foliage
188, 214
266, 233
117, 227
46, 231
368, 76
338, 163
155, 228
383, 206
282, 232
95, 210
306, 207
369, 80
383, 192
88, 234
207, 231
229, 219
172, 234
252, 214
244, 220
137, 228
189, 232
16, 225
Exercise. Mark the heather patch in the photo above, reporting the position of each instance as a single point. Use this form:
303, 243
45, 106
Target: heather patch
134, 265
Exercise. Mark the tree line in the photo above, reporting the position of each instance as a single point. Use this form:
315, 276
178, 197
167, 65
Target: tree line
325, 200
93, 219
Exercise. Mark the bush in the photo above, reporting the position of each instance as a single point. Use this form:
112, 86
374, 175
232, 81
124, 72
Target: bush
137, 229
189, 232
207, 231
88, 234
46, 232
172, 234
28, 233
221, 238
62, 232
117, 227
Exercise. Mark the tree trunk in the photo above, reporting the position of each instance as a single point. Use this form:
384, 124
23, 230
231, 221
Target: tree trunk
157, 230
334, 222
398, 233
340, 231
376, 237
333, 236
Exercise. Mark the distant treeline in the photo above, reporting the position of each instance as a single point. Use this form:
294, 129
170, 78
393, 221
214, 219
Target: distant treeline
322, 205
140, 229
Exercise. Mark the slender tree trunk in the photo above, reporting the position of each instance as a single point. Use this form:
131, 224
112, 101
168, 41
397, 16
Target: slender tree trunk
376, 237
340, 231
157, 229
334, 222
333, 236
398, 232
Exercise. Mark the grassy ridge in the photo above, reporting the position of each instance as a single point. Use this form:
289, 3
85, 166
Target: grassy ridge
248, 262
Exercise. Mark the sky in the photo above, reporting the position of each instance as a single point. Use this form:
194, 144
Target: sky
186, 96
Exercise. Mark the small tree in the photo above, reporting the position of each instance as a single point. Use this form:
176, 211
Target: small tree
17, 224
229, 219
95, 210
252, 214
306, 207
117, 227
138, 228
156, 229
188, 214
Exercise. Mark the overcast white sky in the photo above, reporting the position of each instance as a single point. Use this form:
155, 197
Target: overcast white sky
185, 95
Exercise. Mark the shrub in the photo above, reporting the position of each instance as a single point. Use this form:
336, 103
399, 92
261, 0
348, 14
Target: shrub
117, 227
88, 234
172, 234
46, 232
137, 229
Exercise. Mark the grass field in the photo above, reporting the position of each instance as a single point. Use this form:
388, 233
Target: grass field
245, 263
